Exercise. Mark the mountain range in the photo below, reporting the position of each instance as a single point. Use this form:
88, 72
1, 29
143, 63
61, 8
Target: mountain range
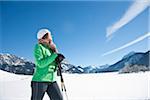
132, 62
17, 65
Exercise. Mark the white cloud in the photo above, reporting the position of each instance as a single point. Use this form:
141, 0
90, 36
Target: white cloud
134, 10
128, 44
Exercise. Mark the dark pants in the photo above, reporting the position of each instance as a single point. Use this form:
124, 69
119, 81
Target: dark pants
39, 89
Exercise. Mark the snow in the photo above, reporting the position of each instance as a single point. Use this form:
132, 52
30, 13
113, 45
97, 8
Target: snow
103, 86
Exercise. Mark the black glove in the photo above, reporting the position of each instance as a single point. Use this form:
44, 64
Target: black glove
59, 58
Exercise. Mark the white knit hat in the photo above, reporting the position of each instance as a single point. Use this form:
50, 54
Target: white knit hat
42, 32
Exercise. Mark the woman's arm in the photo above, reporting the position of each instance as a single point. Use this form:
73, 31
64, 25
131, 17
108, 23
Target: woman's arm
43, 61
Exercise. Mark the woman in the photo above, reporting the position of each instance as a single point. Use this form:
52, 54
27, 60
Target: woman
44, 78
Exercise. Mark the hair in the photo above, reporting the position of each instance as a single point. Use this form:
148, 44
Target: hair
45, 36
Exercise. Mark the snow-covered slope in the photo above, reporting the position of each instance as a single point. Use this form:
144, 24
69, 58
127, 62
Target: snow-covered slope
6, 76
104, 86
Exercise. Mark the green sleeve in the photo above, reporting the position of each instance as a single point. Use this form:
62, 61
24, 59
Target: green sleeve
43, 61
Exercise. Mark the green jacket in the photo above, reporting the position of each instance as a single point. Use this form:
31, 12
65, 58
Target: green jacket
45, 64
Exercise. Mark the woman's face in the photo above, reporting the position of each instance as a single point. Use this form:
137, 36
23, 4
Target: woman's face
47, 39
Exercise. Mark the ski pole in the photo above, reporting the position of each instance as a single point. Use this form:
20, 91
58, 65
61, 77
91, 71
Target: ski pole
62, 81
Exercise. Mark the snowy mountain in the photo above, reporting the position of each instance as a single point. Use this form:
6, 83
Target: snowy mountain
95, 69
139, 61
14, 64
88, 69
133, 68
134, 59
11, 59
129, 54
69, 68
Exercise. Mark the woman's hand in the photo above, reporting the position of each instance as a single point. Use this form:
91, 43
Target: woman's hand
53, 47
49, 43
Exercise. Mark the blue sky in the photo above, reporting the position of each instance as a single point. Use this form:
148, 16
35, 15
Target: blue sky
78, 28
